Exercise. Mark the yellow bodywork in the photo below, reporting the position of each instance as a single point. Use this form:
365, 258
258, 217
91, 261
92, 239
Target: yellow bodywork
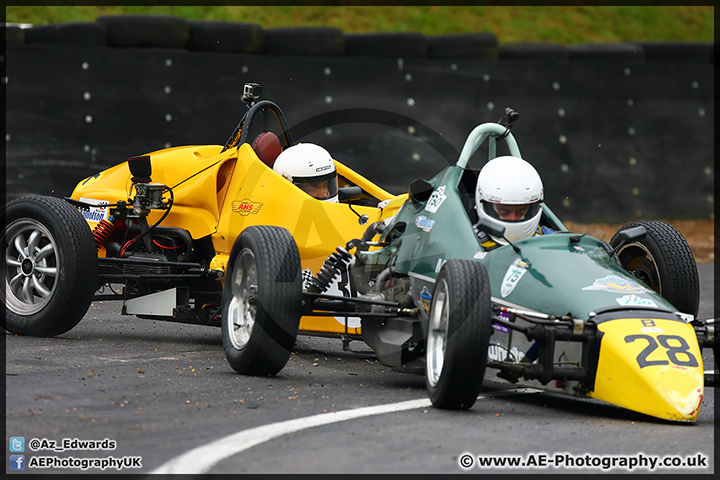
221, 193
651, 366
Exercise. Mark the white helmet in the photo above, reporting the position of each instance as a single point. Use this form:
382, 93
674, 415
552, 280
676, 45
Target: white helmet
311, 168
510, 191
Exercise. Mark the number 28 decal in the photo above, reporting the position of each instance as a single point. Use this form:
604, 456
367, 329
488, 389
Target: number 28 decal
676, 347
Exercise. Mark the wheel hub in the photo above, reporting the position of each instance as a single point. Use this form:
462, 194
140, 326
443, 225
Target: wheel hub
242, 308
31, 266
27, 267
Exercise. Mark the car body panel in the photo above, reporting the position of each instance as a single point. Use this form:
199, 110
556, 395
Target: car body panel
219, 194
650, 365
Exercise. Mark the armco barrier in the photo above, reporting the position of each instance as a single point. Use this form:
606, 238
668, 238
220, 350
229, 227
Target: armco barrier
617, 131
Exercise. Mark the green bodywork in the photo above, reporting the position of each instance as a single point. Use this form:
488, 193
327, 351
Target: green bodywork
568, 273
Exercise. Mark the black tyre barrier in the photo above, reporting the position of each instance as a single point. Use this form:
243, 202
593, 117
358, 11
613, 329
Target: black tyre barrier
607, 52
304, 41
391, 44
540, 52
154, 31
86, 34
229, 37
14, 35
482, 45
678, 52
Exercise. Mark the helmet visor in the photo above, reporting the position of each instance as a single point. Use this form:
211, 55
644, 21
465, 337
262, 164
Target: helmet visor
322, 188
512, 213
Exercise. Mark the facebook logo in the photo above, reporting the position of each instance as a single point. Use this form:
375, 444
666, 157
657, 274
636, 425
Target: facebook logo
17, 444
17, 462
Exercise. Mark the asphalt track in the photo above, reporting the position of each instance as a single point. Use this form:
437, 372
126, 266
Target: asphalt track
163, 392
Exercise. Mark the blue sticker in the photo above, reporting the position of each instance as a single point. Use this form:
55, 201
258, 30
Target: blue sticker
426, 299
425, 223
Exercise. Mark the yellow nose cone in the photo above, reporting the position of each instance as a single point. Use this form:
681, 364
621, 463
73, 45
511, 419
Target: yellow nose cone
651, 366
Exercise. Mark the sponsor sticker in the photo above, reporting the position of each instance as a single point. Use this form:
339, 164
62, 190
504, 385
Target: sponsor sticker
635, 301
652, 330
307, 277
426, 299
500, 353
436, 199
513, 275
500, 328
96, 213
246, 207
480, 255
425, 223
613, 283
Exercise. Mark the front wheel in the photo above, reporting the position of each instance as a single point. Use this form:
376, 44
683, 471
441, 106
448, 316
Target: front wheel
262, 301
459, 332
50, 267
664, 262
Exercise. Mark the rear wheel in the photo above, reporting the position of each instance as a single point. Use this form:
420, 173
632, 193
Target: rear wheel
459, 332
664, 262
50, 267
262, 301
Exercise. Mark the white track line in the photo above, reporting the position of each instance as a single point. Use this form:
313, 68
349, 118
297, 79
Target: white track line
201, 459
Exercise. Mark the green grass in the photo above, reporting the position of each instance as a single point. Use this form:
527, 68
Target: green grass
562, 24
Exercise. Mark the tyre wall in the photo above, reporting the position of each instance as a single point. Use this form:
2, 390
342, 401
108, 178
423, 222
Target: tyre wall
617, 131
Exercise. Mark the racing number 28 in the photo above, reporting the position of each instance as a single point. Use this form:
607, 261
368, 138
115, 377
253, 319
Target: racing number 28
677, 350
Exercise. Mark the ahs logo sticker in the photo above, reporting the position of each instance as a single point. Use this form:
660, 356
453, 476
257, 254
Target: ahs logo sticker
246, 207
436, 199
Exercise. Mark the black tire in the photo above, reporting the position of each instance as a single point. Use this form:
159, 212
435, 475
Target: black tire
678, 52
304, 41
386, 44
151, 31
85, 34
459, 332
263, 285
478, 45
48, 291
607, 52
664, 262
229, 37
534, 52
14, 35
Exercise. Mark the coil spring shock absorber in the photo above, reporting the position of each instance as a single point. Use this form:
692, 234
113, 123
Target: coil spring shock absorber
102, 232
332, 266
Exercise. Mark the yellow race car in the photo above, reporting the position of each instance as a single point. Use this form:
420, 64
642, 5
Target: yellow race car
163, 228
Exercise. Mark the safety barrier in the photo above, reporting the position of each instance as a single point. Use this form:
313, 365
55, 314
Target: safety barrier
618, 131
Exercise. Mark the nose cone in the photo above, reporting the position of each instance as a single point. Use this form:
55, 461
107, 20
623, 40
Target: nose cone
651, 366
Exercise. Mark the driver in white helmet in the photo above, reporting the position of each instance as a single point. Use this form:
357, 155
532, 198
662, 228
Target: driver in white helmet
509, 191
311, 168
